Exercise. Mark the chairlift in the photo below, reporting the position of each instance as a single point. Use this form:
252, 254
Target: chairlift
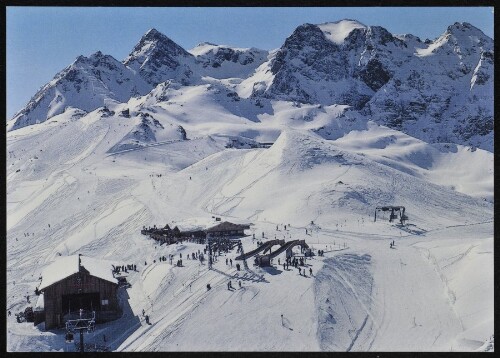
393, 215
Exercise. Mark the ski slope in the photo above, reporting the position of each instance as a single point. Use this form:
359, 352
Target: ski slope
432, 292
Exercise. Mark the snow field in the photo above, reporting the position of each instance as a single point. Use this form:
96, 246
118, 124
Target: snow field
380, 299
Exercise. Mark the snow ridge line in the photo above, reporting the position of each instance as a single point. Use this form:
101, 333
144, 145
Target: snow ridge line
145, 146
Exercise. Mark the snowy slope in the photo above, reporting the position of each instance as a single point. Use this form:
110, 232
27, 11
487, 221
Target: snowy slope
96, 201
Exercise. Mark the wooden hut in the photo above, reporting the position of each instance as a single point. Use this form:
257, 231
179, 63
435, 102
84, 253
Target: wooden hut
78, 282
227, 229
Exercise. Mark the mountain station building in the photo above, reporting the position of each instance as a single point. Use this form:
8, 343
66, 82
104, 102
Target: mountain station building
77, 282
227, 229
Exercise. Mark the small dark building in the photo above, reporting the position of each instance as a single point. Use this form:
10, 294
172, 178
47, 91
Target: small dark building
227, 229
263, 260
77, 282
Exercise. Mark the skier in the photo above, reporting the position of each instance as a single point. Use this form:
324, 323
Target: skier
278, 261
310, 271
300, 272
143, 312
231, 260
239, 283
9, 313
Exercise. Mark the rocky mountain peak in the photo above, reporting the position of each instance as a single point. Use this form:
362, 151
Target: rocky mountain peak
465, 34
154, 43
157, 58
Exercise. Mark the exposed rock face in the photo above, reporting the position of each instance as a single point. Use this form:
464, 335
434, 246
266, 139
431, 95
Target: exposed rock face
220, 61
445, 93
157, 59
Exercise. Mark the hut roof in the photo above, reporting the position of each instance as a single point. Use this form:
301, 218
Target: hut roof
227, 226
66, 266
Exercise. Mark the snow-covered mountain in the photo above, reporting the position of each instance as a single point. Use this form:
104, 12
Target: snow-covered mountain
445, 93
438, 91
88, 83
309, 135
427, 90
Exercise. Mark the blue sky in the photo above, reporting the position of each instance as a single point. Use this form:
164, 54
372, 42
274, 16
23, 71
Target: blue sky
41, 41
